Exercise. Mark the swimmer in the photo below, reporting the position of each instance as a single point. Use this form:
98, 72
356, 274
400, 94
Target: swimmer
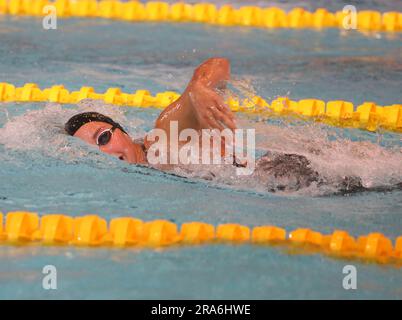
201, 106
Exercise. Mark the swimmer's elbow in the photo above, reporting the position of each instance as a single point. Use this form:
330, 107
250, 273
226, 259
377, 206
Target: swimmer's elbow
219, 62
212, 71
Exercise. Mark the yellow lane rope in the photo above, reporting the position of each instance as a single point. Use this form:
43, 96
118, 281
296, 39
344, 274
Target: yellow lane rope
367, 115
158, 11
23, 227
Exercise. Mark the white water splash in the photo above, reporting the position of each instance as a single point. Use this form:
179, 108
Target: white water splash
331, 155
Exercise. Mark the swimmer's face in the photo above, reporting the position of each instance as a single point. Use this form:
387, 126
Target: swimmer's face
111, 140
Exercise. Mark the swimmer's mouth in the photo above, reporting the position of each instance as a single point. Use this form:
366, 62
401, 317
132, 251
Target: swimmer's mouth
121, 158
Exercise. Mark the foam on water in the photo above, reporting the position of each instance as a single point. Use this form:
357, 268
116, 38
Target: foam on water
331, 155
41, 133
335, 156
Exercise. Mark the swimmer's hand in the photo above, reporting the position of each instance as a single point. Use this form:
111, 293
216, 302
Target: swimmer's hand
206, 103
209, 107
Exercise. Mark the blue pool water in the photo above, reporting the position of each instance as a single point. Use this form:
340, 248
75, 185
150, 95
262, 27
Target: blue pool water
45, 171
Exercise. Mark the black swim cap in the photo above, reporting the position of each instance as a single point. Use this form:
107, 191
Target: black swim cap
80, 119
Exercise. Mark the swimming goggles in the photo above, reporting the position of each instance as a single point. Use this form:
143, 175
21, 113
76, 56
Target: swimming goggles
105, 136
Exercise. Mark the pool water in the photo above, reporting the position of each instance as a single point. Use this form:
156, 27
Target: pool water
45, 171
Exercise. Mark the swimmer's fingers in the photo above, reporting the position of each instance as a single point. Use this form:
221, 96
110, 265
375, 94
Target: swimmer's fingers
222, 106
213, 119
225, 116
223, 119
208, 119
211, 111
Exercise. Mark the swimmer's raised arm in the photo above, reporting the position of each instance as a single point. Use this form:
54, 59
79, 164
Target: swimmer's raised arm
212, 73
201, 106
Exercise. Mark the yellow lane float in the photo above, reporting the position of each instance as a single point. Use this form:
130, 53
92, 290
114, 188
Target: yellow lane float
367, 116
22, 227
208, 13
